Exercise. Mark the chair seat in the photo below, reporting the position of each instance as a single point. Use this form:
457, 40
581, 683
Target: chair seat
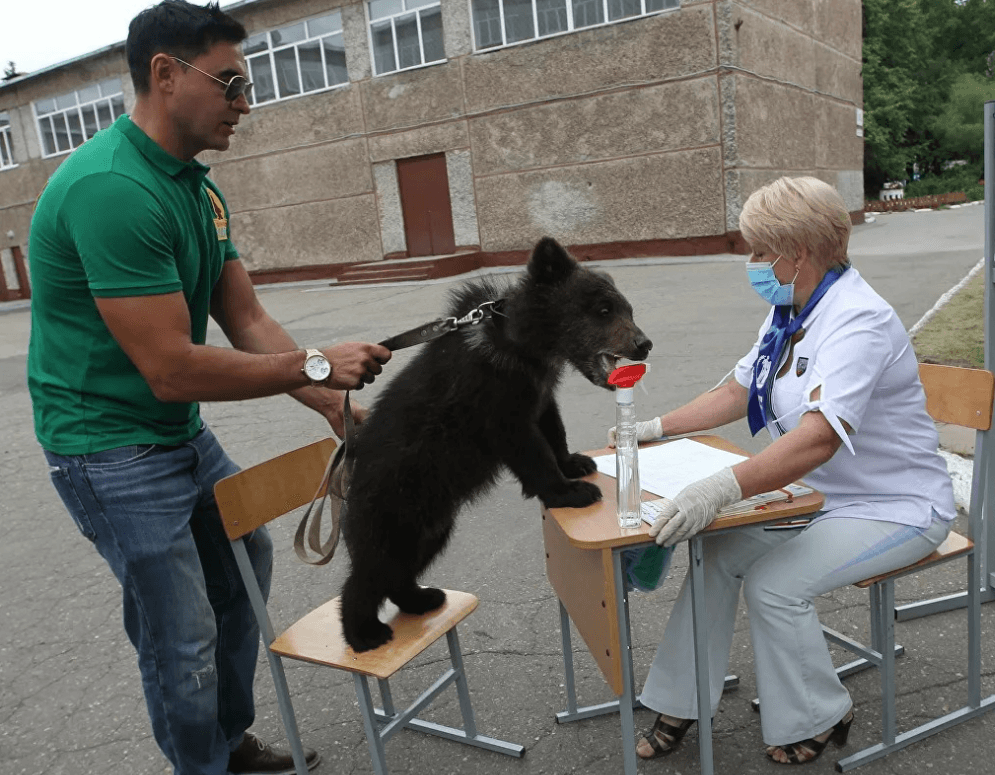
955, 545
317, 637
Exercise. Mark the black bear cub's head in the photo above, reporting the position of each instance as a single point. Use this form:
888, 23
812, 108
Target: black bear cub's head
593, 319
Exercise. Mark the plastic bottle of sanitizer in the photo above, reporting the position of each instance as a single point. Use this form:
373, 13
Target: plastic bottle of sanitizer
627, 490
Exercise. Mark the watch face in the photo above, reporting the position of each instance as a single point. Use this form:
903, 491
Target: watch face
317, 368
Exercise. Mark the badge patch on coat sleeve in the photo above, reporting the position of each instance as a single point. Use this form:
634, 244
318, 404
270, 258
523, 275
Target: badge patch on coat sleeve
800, 366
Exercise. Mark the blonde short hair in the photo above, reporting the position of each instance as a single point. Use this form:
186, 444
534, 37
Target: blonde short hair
792, 214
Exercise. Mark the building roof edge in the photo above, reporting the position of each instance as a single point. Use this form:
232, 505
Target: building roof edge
21, 79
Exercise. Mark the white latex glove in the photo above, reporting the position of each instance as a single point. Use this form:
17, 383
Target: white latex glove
694, 508
645, 431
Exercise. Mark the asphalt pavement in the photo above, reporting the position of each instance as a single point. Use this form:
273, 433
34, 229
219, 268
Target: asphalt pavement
70, 694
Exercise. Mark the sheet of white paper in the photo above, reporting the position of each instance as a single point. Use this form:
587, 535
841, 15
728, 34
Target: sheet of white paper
668, 468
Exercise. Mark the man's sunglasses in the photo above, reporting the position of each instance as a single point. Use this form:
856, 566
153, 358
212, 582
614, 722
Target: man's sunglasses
237, 86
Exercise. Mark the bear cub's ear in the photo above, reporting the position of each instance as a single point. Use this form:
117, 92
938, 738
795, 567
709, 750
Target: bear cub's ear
550, 263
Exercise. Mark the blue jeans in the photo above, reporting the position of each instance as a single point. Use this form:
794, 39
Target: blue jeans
150, 512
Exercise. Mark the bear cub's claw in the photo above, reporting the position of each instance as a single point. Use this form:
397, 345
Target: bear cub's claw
578, 465
576, 496
369, 635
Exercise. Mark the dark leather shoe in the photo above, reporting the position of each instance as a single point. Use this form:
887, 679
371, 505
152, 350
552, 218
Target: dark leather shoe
254, 757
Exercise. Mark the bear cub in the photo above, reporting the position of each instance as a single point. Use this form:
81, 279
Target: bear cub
468, 404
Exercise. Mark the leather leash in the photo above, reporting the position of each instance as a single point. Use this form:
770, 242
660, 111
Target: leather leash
335, 480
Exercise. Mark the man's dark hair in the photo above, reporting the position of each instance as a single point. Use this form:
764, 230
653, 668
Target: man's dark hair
178, 28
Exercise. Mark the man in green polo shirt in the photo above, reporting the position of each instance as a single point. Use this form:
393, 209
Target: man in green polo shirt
131, 250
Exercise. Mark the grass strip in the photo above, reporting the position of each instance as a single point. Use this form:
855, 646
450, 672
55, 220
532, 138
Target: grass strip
955, 335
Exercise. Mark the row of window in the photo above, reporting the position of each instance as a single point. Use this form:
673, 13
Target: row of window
309, 56
69, 120
299, 58
503, 22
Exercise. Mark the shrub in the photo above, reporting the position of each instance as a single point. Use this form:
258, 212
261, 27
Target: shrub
963, 178
975, 193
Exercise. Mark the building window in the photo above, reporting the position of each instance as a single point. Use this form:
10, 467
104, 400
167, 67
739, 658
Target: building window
69, 120
503, 22
6, 146
405, 34
301, 58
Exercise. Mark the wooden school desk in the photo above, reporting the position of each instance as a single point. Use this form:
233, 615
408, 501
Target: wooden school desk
584, 566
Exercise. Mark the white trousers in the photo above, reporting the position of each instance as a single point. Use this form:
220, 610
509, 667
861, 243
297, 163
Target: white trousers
780, 572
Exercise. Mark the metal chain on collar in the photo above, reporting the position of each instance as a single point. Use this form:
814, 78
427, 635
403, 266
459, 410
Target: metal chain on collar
486, 310
443, 326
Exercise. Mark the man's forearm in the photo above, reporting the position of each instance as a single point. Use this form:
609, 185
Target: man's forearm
205, 373
267, 336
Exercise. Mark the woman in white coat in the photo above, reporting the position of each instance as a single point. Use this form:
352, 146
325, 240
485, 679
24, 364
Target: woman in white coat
835, 381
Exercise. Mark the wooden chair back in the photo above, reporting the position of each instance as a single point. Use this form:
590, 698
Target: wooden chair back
958, 396
257, 495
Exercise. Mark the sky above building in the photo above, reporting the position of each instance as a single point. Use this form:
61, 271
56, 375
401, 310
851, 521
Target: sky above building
35, 34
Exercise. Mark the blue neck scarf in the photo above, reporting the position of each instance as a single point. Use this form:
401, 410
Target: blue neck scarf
782, 328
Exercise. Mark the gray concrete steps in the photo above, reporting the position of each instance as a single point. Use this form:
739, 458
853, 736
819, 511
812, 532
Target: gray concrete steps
401, 270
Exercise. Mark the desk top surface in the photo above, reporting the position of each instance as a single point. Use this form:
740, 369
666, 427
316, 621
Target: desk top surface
596, 526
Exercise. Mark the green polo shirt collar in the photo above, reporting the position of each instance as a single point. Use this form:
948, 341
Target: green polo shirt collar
157, 155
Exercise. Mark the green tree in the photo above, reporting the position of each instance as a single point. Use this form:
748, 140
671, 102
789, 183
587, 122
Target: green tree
914, 53
903, 88
964, 32
960, 127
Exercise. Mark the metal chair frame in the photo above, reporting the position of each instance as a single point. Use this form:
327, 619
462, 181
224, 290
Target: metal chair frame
962, 397
258, 495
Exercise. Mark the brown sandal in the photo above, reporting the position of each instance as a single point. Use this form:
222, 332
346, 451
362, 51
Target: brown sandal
663, 737
809, 750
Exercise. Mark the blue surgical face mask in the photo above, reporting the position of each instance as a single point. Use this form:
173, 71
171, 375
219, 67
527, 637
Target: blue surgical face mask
765, 283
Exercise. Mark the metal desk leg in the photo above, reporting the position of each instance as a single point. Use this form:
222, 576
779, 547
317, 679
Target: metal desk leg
701, 654
574, 713
568, 662
628, 694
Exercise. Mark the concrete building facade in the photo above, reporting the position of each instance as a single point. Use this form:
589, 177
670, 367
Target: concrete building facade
401, 128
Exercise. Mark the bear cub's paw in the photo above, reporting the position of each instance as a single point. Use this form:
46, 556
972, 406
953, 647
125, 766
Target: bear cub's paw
578, 465
368, 635
575, 496
419, 600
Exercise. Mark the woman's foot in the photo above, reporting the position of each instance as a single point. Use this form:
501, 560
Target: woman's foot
667, 732
810, 750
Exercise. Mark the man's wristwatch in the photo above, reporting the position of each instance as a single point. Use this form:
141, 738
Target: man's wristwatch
316, 367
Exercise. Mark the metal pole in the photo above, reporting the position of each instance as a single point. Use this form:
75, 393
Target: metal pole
982, 536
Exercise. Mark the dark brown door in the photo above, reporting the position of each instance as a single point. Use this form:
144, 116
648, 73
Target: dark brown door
428, 212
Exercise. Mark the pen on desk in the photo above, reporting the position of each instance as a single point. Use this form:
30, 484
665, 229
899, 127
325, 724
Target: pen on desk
794, 524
